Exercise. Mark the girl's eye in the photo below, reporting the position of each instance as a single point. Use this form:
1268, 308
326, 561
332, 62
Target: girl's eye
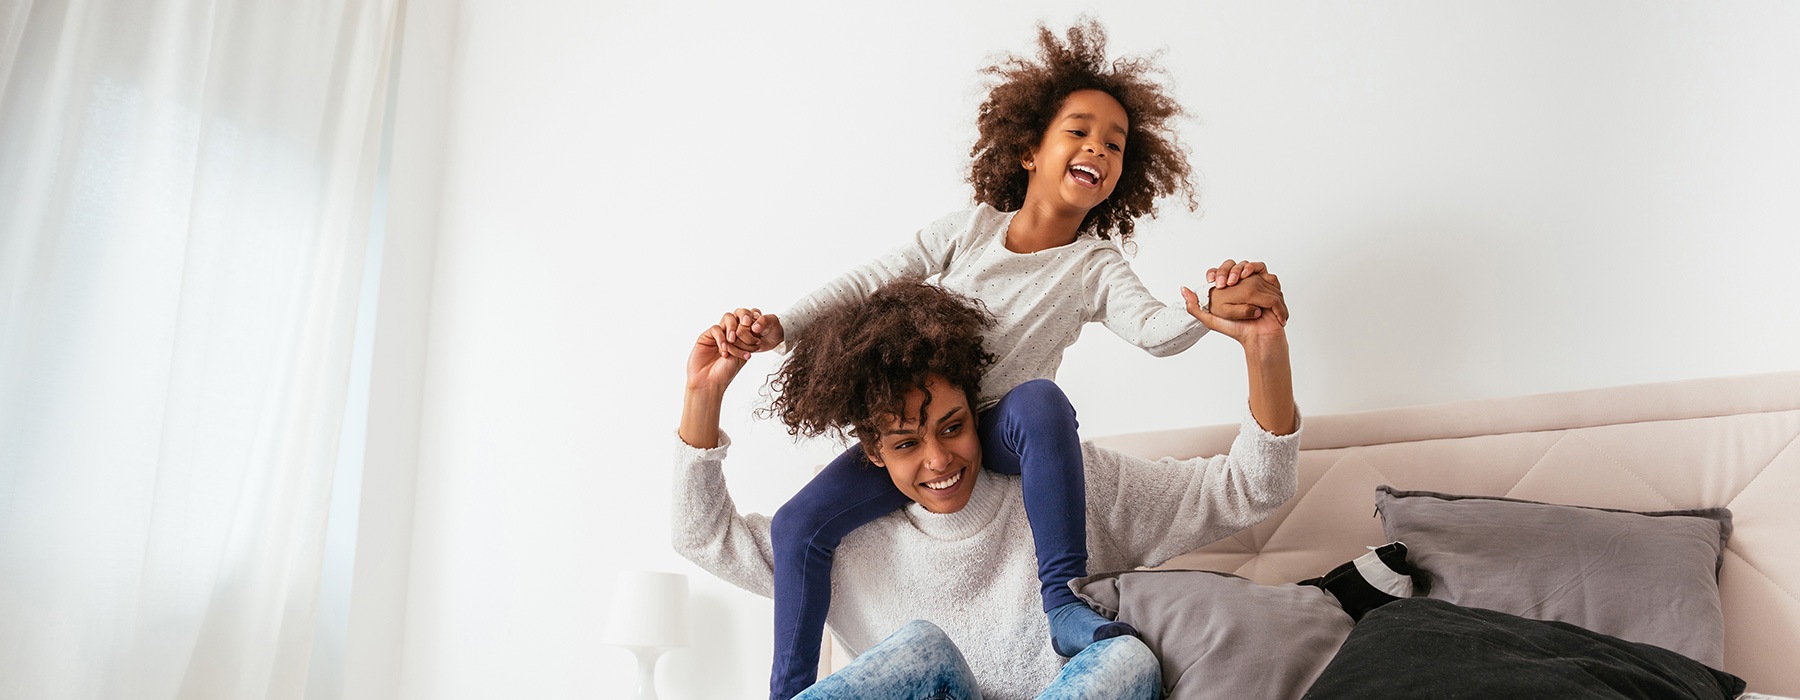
1078, 133
1114, 146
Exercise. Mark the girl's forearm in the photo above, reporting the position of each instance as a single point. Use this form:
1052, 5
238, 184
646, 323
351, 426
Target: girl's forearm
700, 409
1271, 384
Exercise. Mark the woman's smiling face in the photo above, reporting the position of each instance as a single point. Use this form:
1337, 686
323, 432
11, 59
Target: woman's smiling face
935, 463
1082, 153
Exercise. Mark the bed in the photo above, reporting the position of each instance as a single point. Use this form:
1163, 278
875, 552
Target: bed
1684, 447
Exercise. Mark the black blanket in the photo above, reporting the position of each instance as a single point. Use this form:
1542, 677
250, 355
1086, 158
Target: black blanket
1423, 648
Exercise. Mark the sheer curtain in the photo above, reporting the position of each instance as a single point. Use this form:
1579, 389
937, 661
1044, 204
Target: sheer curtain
186, 189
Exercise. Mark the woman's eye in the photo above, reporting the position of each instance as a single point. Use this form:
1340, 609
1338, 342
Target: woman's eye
952, 429
905, 445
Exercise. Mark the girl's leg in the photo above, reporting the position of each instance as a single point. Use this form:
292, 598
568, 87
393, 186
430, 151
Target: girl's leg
918, 661
849, 493
1121, 667
1032, 433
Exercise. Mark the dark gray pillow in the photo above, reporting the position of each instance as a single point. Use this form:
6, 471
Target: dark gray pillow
1651, 577
1222, 636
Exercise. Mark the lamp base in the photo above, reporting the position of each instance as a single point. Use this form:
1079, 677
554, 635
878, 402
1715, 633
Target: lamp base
646, 657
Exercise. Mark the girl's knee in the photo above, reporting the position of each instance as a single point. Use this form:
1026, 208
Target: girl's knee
1040, 391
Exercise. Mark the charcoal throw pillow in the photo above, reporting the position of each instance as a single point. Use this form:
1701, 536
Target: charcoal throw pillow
1644, 577
1424, 648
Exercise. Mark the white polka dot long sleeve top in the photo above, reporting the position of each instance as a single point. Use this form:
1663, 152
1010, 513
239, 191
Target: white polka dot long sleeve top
1040, 301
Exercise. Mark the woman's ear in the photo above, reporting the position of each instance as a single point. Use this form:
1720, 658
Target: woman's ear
874, 456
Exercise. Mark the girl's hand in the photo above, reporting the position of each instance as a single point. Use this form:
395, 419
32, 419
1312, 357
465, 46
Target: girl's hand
1258, 327
1230, 272
713, 362
768, 331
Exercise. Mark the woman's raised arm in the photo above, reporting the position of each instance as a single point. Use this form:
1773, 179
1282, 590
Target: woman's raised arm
709, 373
1265, 359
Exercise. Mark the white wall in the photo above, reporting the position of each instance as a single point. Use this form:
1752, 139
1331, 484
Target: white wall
1463, 199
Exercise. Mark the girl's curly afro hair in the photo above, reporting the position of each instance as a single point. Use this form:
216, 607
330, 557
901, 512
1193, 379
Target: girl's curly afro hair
850, 373
1026, 95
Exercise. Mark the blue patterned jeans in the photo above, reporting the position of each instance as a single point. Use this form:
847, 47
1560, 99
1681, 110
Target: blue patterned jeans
919, 662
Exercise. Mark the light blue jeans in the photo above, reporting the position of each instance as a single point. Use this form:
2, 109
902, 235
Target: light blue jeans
919, 662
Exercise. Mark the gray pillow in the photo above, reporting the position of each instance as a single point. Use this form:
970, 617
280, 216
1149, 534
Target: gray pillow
1651, 577
1222, 636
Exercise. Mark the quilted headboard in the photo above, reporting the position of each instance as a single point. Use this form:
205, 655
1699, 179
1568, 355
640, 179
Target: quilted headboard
1714, 442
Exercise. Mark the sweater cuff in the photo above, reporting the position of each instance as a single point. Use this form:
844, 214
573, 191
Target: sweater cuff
686, 452
1251, 427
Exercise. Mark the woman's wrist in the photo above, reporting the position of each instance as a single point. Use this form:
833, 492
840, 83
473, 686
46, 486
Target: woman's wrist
1261, 346
700, 410
1271, 382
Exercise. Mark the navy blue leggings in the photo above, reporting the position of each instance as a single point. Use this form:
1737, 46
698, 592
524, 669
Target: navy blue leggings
1031, 433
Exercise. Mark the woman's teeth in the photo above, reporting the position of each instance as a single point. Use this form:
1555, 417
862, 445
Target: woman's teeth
945, 483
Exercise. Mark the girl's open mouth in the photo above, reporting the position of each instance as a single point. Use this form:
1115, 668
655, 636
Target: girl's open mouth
1084, 175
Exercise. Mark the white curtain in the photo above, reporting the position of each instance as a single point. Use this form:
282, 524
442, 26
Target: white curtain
186, 188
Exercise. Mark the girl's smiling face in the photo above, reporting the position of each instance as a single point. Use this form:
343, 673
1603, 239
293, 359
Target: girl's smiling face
1082, 153
934, 463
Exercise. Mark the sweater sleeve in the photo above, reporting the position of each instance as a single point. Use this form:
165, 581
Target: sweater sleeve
707, 528
1120, 300
1145, 512
927, 254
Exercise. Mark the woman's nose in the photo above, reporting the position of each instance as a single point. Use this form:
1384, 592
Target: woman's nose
936, 458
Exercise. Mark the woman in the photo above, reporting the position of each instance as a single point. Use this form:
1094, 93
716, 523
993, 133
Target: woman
899, 371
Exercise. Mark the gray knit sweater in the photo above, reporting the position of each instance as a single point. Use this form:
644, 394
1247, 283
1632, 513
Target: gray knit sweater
974, 572
1040, 300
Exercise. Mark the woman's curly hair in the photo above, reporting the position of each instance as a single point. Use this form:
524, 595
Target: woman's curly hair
850, 373
1026, 94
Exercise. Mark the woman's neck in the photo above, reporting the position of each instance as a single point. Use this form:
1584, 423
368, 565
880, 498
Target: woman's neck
1040, 227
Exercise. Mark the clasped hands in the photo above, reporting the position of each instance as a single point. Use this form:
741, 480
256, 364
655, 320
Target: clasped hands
1237, 292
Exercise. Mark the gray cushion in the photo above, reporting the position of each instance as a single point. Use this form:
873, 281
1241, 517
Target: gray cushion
1221, 636
1645, 577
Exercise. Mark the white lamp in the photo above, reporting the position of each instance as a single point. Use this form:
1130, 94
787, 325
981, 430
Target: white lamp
649, 616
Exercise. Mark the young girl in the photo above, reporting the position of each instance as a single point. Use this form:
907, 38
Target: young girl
1072, 150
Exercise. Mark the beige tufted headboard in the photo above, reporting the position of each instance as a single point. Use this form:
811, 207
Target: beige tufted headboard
1690, 444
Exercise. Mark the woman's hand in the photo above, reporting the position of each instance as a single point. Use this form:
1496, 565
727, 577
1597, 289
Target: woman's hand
710, 368
1246, 330
714, 361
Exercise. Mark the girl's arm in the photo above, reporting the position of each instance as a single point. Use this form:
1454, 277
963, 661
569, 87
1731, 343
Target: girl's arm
927, 254
705, 524
1119, 299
